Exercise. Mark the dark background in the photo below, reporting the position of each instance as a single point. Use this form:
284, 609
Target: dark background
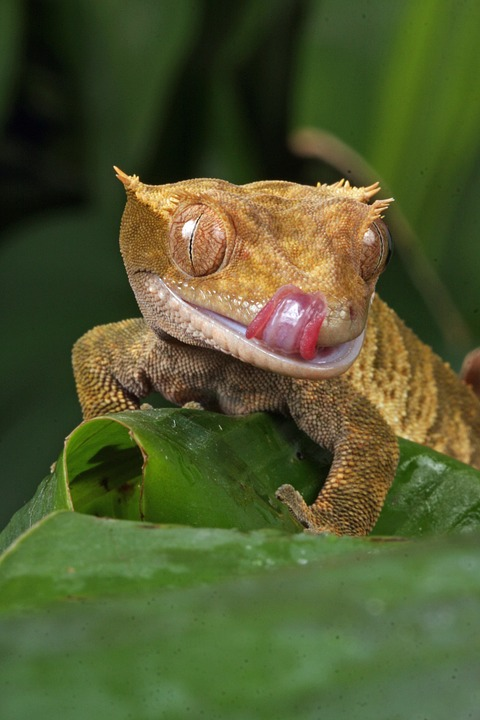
172, 89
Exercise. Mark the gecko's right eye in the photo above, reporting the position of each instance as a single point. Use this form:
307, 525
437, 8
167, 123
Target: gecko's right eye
198, 239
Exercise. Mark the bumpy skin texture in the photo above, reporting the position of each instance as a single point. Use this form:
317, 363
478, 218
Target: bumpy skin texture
206, 245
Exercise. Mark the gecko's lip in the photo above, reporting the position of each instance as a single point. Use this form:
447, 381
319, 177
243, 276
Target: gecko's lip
327, 362
207, 327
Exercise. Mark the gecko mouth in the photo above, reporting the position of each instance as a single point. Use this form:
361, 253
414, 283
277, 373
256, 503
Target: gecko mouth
327, 361
199, 325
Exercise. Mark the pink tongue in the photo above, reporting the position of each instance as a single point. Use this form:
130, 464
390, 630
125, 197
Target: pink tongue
290, 321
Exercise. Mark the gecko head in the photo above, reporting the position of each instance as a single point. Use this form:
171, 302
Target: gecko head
277, 274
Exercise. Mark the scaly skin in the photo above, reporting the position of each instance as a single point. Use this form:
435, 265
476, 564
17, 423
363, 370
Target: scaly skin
208, 245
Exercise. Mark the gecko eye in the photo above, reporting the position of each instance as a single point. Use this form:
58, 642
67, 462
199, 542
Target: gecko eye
198, 239
376, 250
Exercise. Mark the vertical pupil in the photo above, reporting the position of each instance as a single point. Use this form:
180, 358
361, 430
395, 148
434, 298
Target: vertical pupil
188, 235
198, 240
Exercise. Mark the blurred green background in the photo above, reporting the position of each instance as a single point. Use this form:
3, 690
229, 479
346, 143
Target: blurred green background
171, 89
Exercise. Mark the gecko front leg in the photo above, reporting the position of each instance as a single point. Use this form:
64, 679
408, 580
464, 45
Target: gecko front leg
117, 365
365, 457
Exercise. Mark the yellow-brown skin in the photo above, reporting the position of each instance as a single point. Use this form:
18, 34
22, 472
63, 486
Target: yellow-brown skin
249, 242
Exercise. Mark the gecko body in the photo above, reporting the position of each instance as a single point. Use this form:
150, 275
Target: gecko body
262, 297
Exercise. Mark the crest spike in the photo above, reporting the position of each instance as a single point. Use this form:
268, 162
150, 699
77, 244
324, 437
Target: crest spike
130, 182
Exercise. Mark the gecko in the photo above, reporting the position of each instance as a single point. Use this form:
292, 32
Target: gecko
261, 297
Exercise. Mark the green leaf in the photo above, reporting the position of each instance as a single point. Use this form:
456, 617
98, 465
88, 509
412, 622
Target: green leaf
189, 467
356, 633
432, 494
192, 467
70, 555
150, 621
52, 495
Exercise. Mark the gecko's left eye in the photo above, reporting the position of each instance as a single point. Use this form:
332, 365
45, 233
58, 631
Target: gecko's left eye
198, 239
376, 250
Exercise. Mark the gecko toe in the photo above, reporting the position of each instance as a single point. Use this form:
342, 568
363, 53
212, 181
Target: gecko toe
295, 503
301, 511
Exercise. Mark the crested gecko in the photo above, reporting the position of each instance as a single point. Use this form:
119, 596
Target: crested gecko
262, 297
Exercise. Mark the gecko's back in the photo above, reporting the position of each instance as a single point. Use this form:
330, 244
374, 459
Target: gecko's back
417, 393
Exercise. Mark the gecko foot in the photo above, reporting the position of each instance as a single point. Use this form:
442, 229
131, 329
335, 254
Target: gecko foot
299, 509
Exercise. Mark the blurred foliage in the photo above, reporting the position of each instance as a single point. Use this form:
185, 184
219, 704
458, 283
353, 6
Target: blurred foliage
171, 89
197, 623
